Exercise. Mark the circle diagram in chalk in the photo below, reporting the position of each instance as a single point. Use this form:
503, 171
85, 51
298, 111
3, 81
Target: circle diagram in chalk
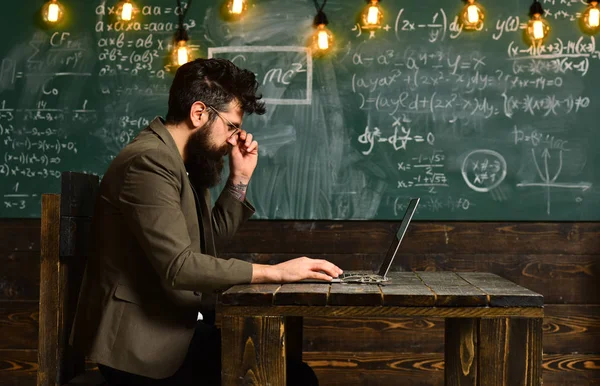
483, 170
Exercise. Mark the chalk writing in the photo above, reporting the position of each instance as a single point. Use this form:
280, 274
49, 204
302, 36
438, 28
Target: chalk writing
483, 170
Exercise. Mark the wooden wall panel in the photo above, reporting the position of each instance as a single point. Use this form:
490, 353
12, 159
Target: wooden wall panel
328, 237
18, 325
371, 237
348, 368
559, 260
18, 367
19, 234
19, 275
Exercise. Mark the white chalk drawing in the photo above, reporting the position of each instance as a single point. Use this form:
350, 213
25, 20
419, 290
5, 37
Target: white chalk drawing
548, 182
212, 51
483, 170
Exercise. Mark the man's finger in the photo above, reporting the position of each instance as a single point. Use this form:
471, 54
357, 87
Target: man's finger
328, 267
330, 271
320, 276
248, 139
253, 146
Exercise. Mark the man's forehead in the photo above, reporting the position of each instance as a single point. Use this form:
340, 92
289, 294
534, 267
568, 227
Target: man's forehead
235, 107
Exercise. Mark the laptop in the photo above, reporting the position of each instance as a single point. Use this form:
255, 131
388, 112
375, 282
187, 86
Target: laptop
380, 276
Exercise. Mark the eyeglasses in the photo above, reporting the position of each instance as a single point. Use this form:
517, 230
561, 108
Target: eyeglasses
230, 124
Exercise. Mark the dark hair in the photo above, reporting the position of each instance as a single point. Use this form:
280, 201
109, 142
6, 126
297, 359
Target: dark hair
216, 82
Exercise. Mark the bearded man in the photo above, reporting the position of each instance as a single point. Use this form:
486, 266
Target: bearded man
140, 314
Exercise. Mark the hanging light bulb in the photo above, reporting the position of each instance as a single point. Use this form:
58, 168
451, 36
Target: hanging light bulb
181, 51
537, 28
52, 11
591, 17
322, 38
236, 8
472, 16
126, 10
372, 16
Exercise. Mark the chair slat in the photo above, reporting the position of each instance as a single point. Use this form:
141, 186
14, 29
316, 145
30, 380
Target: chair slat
78, 194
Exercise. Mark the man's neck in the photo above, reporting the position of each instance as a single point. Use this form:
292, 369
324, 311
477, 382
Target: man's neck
180, 133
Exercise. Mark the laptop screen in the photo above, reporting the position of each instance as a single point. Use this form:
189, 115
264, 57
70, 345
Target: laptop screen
397, 239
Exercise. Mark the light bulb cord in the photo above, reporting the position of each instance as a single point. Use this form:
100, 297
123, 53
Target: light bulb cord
318, 7
181, 33
320, 18
536, 8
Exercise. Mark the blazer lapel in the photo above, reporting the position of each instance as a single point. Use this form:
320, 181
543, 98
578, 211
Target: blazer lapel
203, 212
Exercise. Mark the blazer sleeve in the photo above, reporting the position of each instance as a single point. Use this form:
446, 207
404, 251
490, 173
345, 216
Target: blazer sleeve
228, 214
151, 204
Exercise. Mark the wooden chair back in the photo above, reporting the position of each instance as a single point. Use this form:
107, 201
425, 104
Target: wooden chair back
65, 231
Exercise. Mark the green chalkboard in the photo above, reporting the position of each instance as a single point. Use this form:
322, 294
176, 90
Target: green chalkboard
476, 123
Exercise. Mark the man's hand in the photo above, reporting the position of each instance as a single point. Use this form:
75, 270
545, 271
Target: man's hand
243, 157
295, 270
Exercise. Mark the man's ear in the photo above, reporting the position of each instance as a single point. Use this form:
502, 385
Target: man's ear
198, 115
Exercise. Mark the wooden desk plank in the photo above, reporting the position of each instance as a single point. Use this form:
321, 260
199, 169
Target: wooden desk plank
302, 295
405, 289
502, 292
384, 312
452, 290
354, 295
250, 295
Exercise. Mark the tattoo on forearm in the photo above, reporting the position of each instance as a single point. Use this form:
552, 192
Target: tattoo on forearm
238, 190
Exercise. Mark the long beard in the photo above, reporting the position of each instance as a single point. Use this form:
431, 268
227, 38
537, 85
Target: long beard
204, 161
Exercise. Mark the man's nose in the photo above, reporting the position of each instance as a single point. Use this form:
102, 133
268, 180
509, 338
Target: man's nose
233, 138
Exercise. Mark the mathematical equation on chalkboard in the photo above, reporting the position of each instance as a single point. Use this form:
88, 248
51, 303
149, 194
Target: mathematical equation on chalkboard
459, 91
423, 107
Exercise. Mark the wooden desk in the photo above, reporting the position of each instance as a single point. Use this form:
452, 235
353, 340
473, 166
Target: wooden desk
493, 326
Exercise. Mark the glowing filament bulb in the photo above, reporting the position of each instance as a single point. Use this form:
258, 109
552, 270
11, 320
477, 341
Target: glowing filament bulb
52, 11
372, 16
594, 18
323, 40
127, 12
472, 14
237, 7
182, 53
538, 30
591, 17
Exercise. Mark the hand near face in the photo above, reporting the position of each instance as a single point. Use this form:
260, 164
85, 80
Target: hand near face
243, 157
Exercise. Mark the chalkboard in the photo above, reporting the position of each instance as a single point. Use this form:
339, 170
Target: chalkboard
476, 123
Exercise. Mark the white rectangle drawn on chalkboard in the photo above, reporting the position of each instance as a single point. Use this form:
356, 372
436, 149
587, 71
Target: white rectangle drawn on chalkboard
275, 101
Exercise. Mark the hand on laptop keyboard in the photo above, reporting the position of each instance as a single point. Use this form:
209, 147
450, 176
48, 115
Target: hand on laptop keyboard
295, 270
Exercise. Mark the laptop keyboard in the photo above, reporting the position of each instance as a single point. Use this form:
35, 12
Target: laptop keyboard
366, 278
